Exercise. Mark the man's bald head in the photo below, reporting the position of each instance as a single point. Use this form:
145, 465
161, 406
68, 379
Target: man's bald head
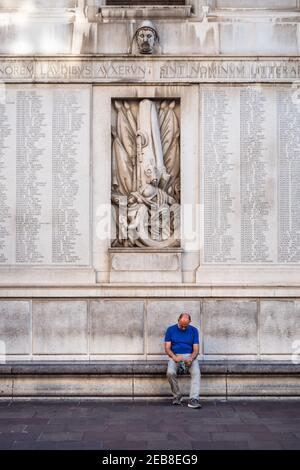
184, 320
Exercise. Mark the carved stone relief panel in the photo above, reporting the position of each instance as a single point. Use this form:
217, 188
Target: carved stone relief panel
146, 173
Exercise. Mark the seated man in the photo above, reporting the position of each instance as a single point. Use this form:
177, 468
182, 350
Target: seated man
182, 346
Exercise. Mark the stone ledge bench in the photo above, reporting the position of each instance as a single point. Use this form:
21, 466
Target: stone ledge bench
146, 379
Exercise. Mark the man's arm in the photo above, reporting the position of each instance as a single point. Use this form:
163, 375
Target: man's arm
170, 353
194, 354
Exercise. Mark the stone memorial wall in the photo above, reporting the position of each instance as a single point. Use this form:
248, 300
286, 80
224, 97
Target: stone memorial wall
228, 80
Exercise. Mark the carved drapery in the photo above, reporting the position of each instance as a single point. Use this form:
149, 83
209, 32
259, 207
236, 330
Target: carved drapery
146, 173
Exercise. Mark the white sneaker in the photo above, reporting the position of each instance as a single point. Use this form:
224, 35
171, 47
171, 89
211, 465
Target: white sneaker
194, 403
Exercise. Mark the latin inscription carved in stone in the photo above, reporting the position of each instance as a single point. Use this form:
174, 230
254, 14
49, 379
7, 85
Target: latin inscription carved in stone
158, 70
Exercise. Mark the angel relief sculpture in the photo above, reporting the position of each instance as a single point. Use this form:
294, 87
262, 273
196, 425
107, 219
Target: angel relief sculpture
146, 173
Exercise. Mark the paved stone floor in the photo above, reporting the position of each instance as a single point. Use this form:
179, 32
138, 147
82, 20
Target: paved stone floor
149, 425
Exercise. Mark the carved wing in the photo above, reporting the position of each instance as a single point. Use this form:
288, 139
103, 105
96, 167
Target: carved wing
124, 149
170, 132
126, 127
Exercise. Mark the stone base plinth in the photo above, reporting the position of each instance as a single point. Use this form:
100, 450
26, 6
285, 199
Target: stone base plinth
145, 265
138, 379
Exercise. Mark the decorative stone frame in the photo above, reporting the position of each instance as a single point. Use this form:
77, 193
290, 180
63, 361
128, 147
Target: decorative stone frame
119, 265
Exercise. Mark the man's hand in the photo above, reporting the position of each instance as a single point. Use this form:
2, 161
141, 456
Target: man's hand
188, 361
179, 359
192, 356
171, 354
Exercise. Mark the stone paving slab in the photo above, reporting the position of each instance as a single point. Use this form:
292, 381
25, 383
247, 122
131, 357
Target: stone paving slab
150, 425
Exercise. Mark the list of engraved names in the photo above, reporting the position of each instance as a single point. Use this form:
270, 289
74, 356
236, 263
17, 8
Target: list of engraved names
44, 175
251, 165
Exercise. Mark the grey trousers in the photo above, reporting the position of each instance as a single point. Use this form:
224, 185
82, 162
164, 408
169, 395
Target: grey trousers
194, 370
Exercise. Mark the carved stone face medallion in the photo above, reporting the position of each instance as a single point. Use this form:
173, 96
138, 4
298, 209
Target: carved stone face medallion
146, 37
146, 40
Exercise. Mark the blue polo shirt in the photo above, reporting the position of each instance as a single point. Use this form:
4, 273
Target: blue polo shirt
182, 340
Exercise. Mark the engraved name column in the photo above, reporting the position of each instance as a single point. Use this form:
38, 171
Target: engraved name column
257, 160
32, 170
70, 191
7, 177
220, 147
289, 175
